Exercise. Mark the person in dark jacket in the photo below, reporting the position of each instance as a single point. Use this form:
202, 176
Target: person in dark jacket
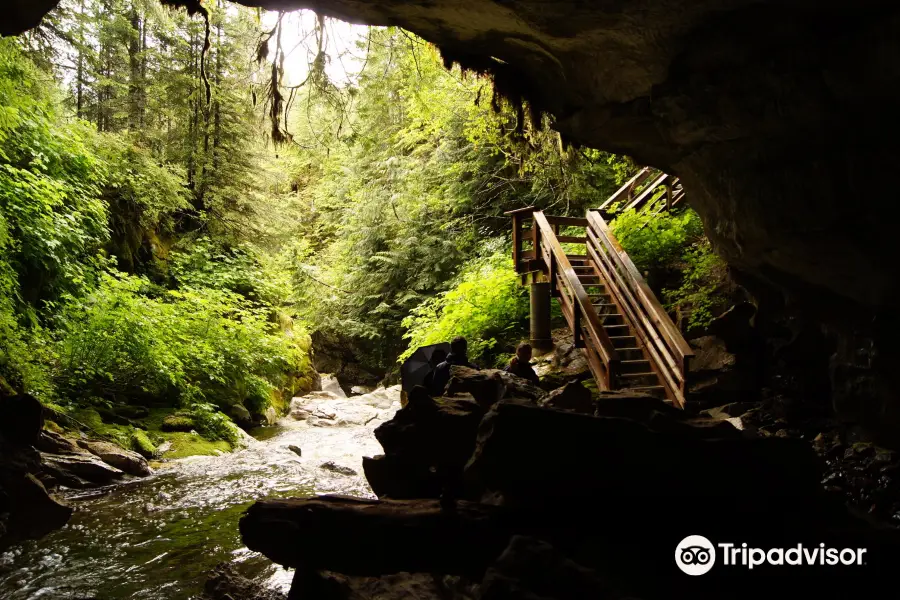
437, 357
520, 365
457, 357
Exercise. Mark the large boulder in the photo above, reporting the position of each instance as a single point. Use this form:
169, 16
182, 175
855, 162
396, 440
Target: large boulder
583, 461
21, 419
239, 413
127, 461
533, 568
27, 509
79, 470
401, 477
572, 396
54, 443
225, 583
565, 363
426, 445
718, 376
489, 386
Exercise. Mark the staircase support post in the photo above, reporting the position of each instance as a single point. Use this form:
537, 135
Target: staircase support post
540, 316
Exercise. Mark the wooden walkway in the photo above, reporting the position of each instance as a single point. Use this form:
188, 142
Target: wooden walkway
627, 338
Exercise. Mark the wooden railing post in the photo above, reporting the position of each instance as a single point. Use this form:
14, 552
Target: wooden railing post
518, 217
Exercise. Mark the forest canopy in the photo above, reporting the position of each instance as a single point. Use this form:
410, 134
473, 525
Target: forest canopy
186, 227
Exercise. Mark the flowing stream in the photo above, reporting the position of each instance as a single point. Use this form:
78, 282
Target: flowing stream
158, 537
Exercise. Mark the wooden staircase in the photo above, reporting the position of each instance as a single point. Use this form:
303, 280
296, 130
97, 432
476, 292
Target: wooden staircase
627, 338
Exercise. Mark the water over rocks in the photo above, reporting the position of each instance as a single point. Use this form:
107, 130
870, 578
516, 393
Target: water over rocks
157, 537
330, 407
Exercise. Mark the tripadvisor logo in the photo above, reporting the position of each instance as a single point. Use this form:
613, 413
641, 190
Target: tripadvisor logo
696, 555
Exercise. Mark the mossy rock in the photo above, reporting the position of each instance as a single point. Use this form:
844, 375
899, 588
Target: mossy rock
52, 427
141, 444
190, 444
178, 422
132, 412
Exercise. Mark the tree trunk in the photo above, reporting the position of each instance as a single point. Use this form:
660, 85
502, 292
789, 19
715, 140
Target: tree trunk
135, 83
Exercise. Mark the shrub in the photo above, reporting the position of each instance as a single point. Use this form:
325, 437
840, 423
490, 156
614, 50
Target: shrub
486, 305
656, 241
212, 424
704, 273
190, 346
259, 396
673, 249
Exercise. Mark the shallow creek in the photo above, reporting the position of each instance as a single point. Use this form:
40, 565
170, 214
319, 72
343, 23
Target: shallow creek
157, 537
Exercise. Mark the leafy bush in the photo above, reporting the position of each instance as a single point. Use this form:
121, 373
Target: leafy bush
486, 305
240, 268
671, 247
130, 339
212, 424
703, 272
258, 395
53, 221
656, 241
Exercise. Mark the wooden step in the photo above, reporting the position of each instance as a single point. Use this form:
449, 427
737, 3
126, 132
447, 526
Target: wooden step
611, 319
644, 379
635, 366
617, 330
630, 353
623, 341
653, 390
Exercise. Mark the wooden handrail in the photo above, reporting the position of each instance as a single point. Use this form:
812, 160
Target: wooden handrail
576, 304
648, 192
626, 190
661, 338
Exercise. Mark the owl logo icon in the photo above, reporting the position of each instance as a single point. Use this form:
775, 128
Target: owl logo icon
695, 555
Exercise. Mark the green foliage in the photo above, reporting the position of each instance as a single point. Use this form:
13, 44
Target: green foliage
241, 268
212, 424
131, 339
703, 274
52, 219
259, 395
214, 331
485, 305
656, 241
405, 181
178, 422
672, 250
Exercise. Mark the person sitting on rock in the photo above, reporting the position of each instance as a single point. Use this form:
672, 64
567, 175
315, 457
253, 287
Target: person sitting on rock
437, 357
520, 365
457, 357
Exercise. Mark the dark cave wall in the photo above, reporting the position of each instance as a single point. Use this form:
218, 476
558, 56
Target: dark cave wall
779, 116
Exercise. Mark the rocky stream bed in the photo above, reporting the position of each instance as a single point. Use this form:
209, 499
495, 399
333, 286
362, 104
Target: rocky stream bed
159, 536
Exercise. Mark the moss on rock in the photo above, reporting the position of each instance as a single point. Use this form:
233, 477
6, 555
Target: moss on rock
140, 443
177, 422
191, 444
